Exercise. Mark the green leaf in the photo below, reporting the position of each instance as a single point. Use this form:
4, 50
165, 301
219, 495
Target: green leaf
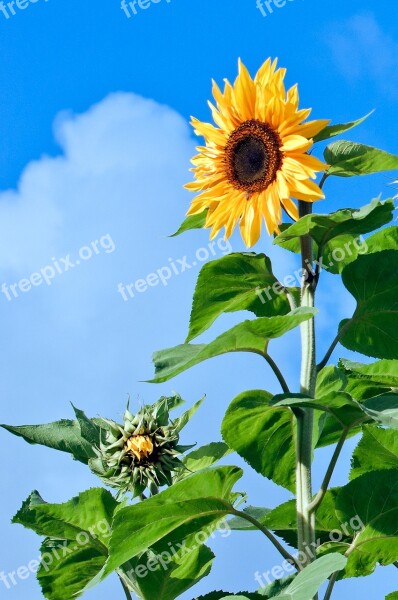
343, 250
377, 450
187, 415
324, 228
198, 501
61, 435
283, 520
262, 434
239, 281
373, 281
192, 222
95, 507
362, 387
373, 500
330, 379
239, 524
276, 587
385, 239
381, 372
70, 569
220, 595
340, 252
90, 431
333, 130
202, 458
347, 159
178, 573
249, 336
240, 597
77, 534
392, 596
306, 584
173, 402
382, 409
347, 395
338, 404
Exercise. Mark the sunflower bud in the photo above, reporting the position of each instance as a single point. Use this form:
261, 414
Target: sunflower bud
142, 453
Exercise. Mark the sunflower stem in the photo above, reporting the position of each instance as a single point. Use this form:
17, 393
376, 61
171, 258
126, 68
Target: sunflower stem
269, 535
278, 373
330, 587
125, 589
306, 519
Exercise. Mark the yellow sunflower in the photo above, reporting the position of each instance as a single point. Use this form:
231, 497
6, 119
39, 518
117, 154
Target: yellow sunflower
257, 158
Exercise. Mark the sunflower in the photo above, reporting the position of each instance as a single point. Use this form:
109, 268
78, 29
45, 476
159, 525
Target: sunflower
257, 158
141, 453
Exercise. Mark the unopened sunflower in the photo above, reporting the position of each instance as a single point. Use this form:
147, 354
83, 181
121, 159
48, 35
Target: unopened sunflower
257, 159
141, 453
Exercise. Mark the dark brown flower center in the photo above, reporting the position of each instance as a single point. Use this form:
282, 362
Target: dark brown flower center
253, 156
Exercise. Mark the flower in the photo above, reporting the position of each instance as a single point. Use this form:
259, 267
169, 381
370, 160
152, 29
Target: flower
141, 453
257, 158
140, 446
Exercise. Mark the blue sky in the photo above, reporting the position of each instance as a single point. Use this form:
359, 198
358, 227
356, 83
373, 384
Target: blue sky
95, 147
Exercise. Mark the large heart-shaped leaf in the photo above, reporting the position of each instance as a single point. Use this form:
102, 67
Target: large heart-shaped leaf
239, 281
373, 281
263, 435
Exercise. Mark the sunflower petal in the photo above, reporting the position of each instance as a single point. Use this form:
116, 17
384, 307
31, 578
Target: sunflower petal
295, 142
307, 191
310, 129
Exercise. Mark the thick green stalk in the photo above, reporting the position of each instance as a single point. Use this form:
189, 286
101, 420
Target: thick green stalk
306, 519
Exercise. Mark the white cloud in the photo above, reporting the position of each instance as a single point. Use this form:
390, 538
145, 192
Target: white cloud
122, 163
362, 50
